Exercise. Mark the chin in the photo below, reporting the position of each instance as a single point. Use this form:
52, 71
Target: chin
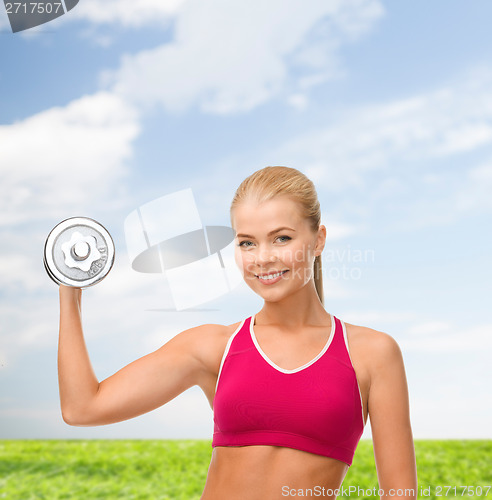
271, 295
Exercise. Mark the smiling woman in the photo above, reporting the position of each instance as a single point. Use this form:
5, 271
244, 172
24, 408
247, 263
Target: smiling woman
291, 386
284, 197
285, 253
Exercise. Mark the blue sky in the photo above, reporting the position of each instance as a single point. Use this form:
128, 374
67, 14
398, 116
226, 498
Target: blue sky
387, 106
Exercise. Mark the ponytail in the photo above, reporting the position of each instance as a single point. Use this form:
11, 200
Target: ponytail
318, 278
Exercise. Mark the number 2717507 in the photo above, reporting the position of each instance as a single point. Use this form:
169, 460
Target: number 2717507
33, 7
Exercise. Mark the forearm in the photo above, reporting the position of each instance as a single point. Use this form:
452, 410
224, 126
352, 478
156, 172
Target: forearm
397, 473
402, 486
77, 382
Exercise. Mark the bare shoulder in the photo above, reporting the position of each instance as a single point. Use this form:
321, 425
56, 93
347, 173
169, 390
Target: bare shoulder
374, 346
207, 342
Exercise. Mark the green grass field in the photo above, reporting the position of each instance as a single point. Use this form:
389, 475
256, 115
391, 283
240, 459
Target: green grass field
167, 469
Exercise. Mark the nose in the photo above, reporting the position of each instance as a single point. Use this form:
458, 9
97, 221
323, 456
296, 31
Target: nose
265, 255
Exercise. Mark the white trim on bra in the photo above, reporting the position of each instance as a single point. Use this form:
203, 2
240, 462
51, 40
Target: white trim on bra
348, 352
294, 370
228, 346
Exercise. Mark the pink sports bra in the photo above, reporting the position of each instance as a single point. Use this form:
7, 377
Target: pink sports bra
315, 408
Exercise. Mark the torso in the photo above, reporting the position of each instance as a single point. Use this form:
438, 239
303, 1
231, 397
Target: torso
269, 472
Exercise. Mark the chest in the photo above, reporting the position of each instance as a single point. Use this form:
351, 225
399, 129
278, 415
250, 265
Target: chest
253, 393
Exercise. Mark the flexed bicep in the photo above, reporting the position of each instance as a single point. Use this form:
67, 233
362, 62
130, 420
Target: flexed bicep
148, 382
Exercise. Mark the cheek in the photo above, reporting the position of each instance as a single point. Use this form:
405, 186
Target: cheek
238, 258
295, 256
243, 260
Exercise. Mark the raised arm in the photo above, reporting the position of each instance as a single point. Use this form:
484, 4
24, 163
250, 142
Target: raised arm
390, 420
141, 386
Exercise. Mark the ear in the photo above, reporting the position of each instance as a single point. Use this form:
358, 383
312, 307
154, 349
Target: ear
320, 240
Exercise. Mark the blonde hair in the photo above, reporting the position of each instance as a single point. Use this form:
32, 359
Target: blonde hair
269, 182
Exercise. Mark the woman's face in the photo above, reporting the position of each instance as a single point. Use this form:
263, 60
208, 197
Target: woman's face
275, 246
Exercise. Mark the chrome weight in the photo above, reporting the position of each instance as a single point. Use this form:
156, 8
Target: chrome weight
78, 252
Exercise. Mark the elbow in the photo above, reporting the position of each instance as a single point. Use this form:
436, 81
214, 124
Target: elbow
76, 418
70, 418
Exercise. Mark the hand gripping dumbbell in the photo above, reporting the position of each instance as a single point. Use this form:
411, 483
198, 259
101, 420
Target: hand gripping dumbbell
78, 252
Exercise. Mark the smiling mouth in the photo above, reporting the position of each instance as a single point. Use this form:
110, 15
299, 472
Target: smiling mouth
270, 276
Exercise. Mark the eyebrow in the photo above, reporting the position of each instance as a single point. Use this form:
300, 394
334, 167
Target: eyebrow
269, 234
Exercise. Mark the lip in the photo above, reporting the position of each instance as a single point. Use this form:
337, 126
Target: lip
271, 281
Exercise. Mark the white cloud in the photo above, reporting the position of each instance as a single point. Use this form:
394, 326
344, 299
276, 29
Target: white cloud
426, 156
415, 334
20, 332
228, 57
454, 195
102, 306
334, 289
429, 328
127, 12
399, 134
65, 158
441, 337
298, 101
474, 195
366, 318
18, 270
61, 162
338, 231
482, 173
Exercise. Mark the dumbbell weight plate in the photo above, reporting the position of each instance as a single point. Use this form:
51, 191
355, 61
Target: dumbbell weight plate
78, 252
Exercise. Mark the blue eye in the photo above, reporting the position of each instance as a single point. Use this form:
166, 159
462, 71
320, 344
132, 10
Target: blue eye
248, 244
242, 243
287, 238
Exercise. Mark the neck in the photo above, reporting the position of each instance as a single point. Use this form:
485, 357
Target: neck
297, 310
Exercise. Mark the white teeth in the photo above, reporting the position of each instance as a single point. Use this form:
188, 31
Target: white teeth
271, 276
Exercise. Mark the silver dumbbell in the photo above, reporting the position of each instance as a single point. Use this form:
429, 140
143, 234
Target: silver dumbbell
78, 252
